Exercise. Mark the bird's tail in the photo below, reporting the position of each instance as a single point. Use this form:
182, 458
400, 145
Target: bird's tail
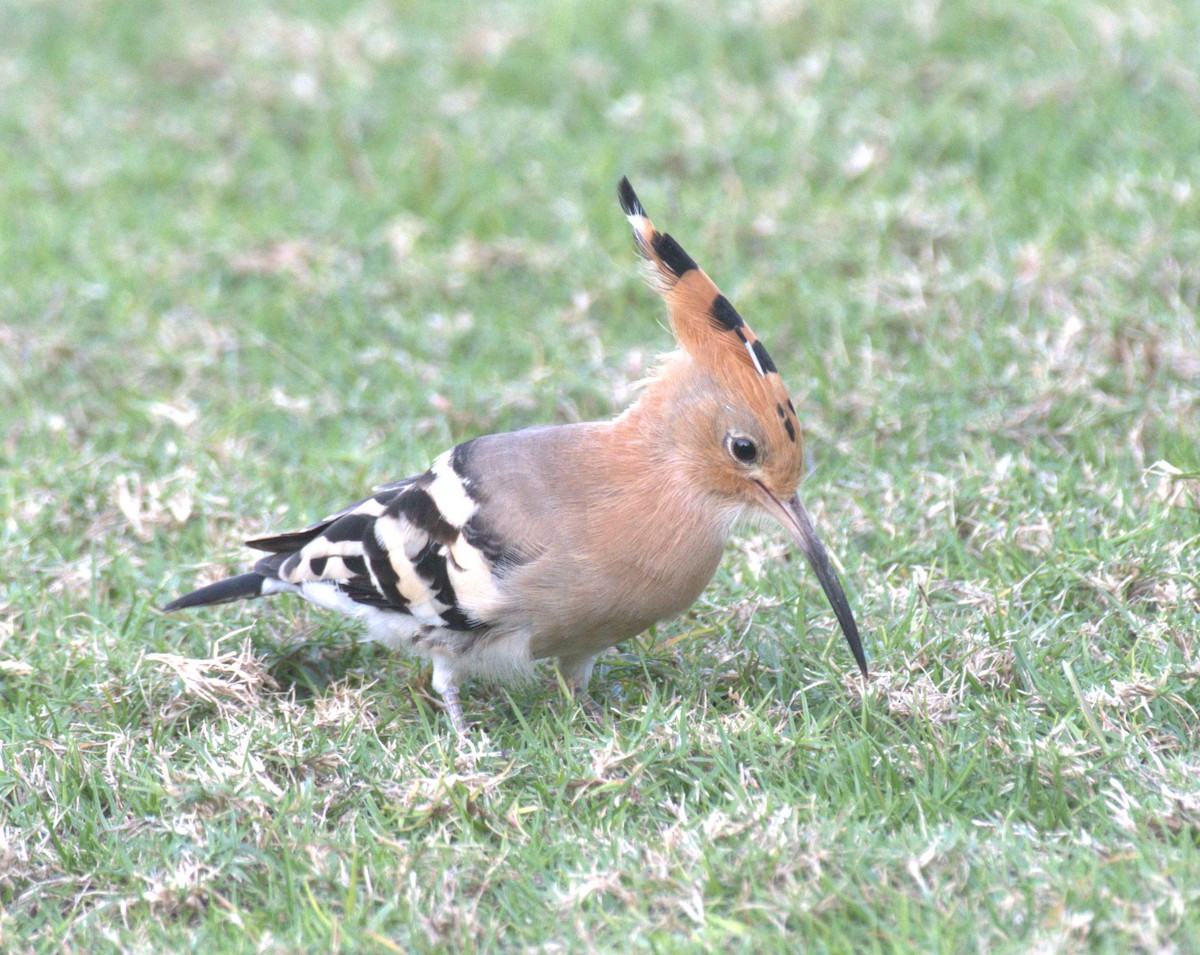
241, 587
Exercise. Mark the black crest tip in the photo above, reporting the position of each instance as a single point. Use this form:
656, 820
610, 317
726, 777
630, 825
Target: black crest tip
630, 204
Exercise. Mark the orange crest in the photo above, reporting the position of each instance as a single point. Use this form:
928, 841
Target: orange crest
705, 323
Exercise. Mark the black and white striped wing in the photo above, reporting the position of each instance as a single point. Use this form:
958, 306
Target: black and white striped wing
404, 551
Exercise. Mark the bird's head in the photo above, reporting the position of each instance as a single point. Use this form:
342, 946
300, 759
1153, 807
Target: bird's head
733, 412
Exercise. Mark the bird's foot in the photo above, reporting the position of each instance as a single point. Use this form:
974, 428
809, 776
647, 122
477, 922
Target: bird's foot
454, 710
592, 710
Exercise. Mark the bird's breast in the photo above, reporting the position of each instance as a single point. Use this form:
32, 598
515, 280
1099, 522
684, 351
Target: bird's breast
593, 546
614, 581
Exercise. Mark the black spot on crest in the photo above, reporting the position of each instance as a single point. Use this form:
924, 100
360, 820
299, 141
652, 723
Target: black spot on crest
724, 314
672, 255
628, 199
779, 411
791, 431
764, 359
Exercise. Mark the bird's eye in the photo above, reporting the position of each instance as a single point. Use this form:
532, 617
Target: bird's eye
743, 449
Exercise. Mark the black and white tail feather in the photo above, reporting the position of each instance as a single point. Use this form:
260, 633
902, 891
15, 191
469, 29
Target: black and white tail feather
410, 560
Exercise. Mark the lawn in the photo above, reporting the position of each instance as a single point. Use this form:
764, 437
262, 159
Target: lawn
256, 258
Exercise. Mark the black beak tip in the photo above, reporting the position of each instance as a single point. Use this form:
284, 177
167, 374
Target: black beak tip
818, 559
861, 659
850, 630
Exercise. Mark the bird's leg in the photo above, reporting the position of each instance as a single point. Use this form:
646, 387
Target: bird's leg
445, 682
454, 710
577, 673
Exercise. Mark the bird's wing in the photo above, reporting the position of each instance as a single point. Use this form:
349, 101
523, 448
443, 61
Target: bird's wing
408, 549
371, 506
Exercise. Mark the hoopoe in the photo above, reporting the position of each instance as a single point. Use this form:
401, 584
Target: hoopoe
563, 541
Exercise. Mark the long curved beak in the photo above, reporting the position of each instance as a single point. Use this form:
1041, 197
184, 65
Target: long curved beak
792, 515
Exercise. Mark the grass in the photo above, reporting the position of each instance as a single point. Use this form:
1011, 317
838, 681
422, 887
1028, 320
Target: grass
257, 258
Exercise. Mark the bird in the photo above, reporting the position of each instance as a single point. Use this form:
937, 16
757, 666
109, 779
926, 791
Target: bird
561, 541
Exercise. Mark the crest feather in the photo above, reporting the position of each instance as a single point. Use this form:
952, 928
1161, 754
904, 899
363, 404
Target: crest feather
704, 321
